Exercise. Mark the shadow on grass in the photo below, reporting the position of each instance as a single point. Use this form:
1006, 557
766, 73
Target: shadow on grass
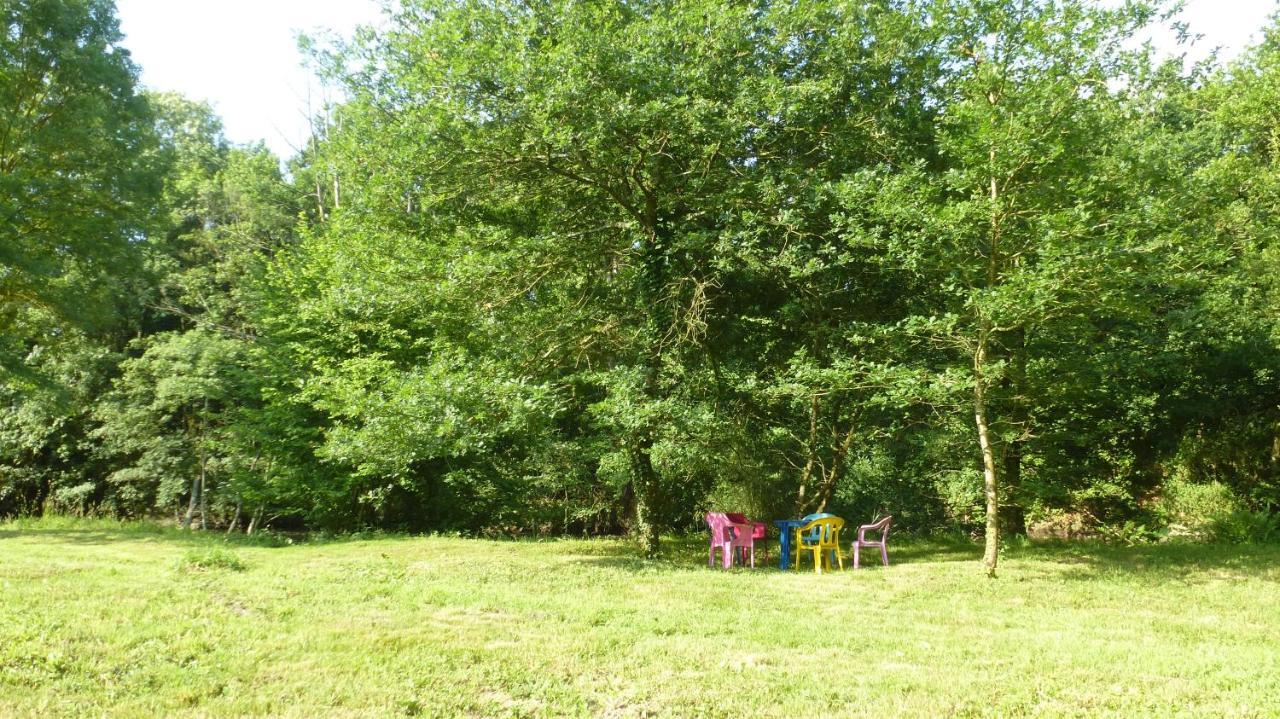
91, 537
1159, 563
1084, 561
690, 553
103, 532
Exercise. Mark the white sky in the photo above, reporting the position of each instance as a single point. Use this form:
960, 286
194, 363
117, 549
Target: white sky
241, 56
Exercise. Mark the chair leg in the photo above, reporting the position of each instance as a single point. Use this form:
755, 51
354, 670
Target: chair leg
855, 555
839, 559
884, 554
711, 556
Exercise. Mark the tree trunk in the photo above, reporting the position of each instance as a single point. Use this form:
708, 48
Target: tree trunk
989, 479
812, 461
235, 520
44, 490
191, 505
253, 522
620, 520
654, 286
837, 461
647, 497
204, 503
1013, 517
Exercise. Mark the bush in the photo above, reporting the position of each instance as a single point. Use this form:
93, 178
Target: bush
199, 560
1245, 527
1190, 509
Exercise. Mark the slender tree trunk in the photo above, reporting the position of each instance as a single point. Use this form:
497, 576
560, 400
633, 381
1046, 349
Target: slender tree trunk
811, 462
837, 461
191, 505
204, 503
320, 198
1013, 518
620, 521
989, 478
235, 520
45, 486
253, 522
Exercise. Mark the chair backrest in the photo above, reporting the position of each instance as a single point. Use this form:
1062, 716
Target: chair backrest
719, 523
880, 525
813, 536
758, 529
824, 531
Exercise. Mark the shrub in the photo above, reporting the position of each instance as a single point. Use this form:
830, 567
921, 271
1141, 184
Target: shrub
199, 560
1190, 509
1244, 526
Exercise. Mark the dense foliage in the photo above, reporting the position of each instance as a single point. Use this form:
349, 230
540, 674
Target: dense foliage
591, 267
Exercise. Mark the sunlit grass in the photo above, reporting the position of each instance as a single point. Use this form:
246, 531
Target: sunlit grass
126, 620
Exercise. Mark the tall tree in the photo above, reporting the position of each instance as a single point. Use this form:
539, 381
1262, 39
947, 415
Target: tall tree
1015, 232
79, 176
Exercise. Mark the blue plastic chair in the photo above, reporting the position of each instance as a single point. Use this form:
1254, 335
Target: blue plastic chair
814, 534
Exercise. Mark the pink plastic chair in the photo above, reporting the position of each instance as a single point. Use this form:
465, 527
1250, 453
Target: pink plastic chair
759, 533
882, 526
729, 536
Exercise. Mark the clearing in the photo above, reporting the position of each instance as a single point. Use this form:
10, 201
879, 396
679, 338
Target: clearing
106, 619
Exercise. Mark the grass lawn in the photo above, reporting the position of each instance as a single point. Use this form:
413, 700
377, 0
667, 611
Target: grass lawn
103, 619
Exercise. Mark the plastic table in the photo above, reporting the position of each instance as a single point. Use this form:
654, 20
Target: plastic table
786, 528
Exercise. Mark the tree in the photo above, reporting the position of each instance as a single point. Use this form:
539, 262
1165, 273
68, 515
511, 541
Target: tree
1011, 230
78, 173
183, 409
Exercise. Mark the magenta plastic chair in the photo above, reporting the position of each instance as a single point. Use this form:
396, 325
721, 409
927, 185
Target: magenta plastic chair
881, 526
759, 533
729, 536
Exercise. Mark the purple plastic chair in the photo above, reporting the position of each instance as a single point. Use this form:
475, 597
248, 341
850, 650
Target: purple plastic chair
729, 536
759, 534
881, 526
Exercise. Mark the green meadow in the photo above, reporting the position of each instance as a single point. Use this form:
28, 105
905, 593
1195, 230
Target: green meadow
106, 619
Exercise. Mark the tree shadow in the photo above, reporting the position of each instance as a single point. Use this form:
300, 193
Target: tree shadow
931, 551
105, 537
1161, 563
102, 533
688, 553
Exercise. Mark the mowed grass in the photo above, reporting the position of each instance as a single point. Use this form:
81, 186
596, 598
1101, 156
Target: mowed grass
103, 619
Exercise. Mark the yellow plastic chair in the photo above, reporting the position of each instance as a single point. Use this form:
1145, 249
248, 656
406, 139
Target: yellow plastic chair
822, 537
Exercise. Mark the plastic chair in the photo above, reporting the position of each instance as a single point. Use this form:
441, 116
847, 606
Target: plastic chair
881, 526
813, 535
820, 536
760, 533
729, 536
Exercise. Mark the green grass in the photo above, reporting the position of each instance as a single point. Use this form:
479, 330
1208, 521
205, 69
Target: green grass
107, 619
